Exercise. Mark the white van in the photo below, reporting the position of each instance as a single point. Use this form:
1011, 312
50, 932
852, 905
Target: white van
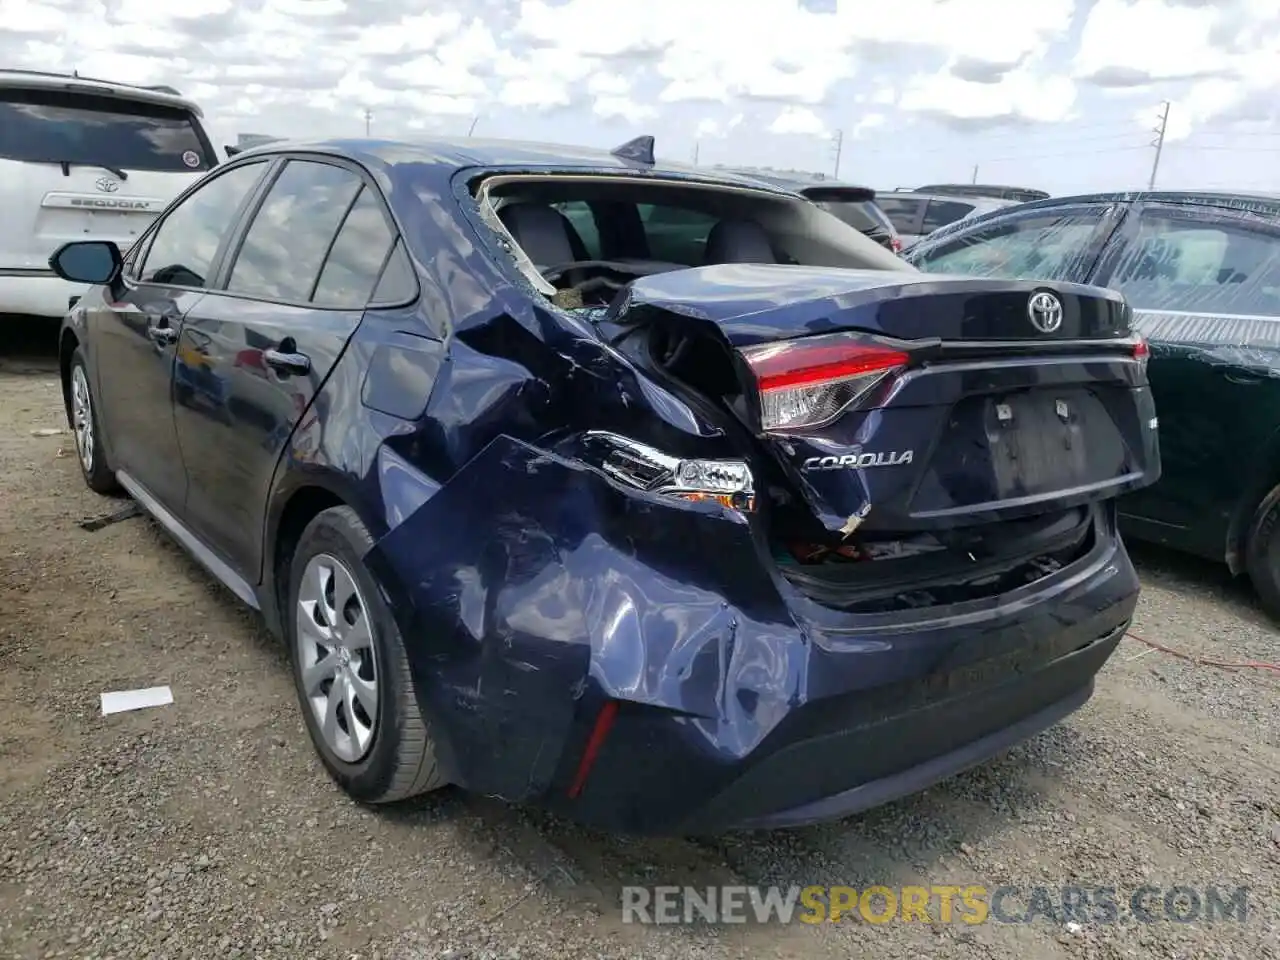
85, 159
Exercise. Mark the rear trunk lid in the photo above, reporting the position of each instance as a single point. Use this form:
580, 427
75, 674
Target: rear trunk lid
81, 160
909, 402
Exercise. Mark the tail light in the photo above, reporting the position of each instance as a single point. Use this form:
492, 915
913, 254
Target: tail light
1141, 351
809, 382
726, 482
896, 243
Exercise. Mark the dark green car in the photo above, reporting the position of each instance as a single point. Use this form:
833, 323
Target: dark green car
1202, 272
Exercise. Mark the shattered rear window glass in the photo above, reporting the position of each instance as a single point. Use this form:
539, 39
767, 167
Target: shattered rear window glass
1178, 262
1053, 246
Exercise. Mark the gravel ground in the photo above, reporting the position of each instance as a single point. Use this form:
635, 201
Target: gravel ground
208, 829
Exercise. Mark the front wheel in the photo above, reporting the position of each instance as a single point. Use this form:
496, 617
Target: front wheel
350, 667
83, 416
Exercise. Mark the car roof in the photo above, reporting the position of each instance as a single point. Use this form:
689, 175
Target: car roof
43, 80
991, 203
1240, 199
1266, 204
452, 154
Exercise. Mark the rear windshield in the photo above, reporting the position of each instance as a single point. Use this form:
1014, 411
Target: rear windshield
860, 216
903, 212
55, 126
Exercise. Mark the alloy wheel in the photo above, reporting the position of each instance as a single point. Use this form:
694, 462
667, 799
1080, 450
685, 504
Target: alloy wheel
82, 417
336, 657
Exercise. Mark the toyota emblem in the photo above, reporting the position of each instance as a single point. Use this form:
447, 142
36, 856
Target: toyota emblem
107, 185
1045, 311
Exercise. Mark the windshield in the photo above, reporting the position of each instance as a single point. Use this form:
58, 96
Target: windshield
56, 126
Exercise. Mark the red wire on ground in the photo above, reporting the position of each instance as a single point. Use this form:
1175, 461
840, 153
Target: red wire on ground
1208, 661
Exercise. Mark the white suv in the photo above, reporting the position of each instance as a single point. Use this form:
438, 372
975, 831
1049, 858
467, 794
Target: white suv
85, 159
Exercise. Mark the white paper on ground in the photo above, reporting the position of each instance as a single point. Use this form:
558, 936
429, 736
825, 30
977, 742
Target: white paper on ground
118, 701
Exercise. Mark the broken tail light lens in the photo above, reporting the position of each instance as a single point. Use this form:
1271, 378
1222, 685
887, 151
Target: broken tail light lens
807, 383
726, 482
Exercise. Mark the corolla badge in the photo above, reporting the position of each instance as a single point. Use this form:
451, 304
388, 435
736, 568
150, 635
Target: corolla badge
859, 461
107, 185
1045, 311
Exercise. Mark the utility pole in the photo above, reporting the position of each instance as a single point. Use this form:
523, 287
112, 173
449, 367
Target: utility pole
975, 174
696, 145
1158, 143
368, 117
839, 141
472, 128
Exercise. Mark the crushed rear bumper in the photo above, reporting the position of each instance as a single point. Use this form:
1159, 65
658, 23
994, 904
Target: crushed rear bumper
532, 592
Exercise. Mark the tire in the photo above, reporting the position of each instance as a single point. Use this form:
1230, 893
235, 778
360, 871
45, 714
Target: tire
1262, 553
82, 417
377, 753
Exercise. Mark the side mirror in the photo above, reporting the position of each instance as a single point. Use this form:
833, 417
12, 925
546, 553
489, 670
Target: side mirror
87, 261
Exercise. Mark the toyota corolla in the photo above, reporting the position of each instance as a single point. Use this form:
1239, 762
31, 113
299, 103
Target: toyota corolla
656, 496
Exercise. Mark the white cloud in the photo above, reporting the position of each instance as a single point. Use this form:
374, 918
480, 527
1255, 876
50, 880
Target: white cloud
710, 127
683, 69
1020, 96
1227, 53
868, 122
798, 120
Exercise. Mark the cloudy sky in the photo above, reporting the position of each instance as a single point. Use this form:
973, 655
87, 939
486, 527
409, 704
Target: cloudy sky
1059, 94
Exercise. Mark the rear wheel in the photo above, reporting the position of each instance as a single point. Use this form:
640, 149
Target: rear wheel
83, 414
1262, 553
350, 668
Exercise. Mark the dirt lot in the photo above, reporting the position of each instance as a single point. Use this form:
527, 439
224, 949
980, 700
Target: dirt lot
207, 828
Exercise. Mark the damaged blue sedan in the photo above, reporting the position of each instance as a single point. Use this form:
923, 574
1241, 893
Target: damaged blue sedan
655, 496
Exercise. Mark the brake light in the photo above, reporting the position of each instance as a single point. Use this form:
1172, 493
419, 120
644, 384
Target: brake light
897, 244
807, 383
1141, 351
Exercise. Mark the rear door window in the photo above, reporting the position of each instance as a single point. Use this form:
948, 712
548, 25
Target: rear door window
58, 126
939, 213
289, 238
583, 220
855, 215
1049, 245
1194, 262
351, 270
676, 235
903, 212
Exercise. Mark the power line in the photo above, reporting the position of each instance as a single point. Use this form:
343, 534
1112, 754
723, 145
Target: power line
1219, 147
1030, 129
1056, 153
1159, 144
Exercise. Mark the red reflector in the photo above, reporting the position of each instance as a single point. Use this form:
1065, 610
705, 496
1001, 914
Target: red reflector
794, 363
1141, 351
604, 720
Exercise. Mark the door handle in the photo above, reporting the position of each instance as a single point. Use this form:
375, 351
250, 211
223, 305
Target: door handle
162, 335
287, 361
